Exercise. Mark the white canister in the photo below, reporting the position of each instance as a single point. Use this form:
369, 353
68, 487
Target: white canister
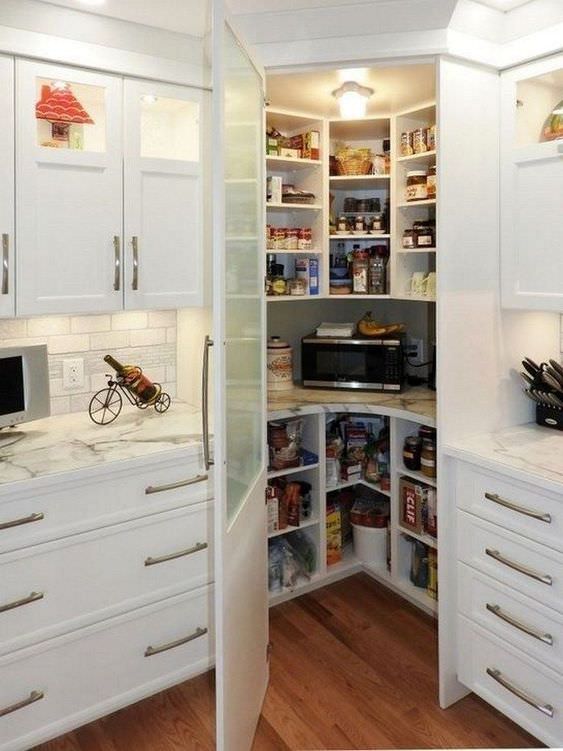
280, 365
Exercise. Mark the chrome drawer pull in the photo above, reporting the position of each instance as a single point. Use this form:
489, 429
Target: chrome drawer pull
497, 610
135, 244
116, 262
5, 264
33, 597
208, 343
497, 676
150, 651
31, 699
519, 509
174, 485
543, 578
25, 520
180, 554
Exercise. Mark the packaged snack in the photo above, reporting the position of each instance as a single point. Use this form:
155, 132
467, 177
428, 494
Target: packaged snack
333, 535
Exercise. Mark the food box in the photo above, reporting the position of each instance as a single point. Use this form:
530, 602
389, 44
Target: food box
410, 510
273, 510
308, 270
272, 147
333, 535
274, 189
293, 153
311, 144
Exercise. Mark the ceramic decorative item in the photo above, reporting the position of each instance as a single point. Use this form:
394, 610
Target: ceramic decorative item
280, 365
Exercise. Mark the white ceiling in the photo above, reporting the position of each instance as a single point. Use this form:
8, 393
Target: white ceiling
504, 5
393, 87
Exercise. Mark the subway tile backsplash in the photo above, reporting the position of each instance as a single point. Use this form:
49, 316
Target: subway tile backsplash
145, 338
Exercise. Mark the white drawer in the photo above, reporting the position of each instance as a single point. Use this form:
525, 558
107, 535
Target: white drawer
96, 670
95, 575
522, 622
54, 508
530, 568
517, 506
481, 651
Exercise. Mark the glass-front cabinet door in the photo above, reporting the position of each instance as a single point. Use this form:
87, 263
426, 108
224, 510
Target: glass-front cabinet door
69, 190
7, 187
163, 251
240, 393
532, 185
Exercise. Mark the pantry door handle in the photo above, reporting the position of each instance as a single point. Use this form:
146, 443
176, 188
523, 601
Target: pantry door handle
33, 597
519, 509
173, 485
150, 651
497, 610
497, 676
205, 402
116, 263
5, 264
180, 554
135, 245
24, 520
31, 699
532, 573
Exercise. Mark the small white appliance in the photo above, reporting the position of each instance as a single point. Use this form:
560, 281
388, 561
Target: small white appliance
24, 384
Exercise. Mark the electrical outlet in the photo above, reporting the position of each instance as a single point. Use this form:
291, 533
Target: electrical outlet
415, 351
73, 373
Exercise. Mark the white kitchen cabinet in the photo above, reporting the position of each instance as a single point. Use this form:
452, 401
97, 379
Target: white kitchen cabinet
162, 196
69, 190
7, 297
531, 187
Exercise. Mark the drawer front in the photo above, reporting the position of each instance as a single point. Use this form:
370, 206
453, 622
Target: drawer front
64, 584
516, 506
29, 518
522, 622
530, 568
93, 671
528, 692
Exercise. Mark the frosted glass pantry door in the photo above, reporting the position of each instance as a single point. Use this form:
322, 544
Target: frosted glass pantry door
68, 190
7, 187
240, 391
163, 195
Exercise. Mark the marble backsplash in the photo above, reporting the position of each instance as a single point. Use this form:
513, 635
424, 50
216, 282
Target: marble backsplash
146, 338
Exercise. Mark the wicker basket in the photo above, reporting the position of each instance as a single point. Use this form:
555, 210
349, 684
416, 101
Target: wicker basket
354, 161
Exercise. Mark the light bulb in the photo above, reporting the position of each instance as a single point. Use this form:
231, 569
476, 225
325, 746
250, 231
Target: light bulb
352, 105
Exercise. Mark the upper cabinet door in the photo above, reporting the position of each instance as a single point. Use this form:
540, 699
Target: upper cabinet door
69, 190
532, 186
163, 196
7, 276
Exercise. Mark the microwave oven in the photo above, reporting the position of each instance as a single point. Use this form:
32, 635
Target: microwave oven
353, 363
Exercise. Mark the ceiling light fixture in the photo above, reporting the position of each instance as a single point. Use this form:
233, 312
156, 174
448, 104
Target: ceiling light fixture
352, 100
149, 98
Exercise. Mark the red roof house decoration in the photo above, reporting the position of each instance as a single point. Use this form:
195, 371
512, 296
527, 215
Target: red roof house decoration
60, 107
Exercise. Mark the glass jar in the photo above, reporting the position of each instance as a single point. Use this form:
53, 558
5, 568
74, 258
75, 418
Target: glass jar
359, 226
360, 270
431, 138
406, 143
428, 458
424, 234
431, 182
416, 185
342, 225
297, 287
292, 239
378, 224
279, 238
409, 238
270, 237
411, 452
419, 145
279, 286
304, 240
377, 274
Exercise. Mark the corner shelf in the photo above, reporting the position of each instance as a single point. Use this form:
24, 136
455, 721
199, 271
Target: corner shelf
418, 476
280, 251
415, 298
359, 237
424, 156
295, 298
415, 250
288, 530
293, 206
421, 537
353, 483
411, 204
291, 163
291, 471
357, 182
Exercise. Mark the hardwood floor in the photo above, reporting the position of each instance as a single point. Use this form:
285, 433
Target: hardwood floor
353, 667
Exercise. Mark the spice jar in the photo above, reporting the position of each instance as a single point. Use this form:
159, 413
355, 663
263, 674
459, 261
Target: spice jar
411, 452
304, 240
431, 182
428, 458
416, 186
419, 141
378, 224
431, 138
406, 144
359, 226
342, 225
409, 238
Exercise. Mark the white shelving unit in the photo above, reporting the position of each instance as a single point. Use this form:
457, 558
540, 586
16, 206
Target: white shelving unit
398, 577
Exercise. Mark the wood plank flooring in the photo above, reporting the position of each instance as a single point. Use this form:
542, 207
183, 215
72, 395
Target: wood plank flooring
353, 667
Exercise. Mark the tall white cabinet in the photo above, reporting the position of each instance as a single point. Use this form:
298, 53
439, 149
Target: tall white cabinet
69, 207
7, 276
531, 187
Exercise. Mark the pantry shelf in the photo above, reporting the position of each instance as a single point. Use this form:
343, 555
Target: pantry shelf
294, 206
359, 237
357, 182
288, 593
291, 470
418, 594
415, 298
295, 298
415, 250
291, 162
355, 296
425, 156
288, 530
294, 252
353, 483
413, 204
426, 539
416, 476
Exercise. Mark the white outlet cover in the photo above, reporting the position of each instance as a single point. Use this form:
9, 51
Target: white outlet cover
73, 373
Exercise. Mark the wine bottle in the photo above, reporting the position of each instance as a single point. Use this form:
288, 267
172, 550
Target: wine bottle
135, 380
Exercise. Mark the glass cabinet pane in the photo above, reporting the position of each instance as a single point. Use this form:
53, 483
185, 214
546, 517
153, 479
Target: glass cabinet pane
539, 109
169, 128
70, 115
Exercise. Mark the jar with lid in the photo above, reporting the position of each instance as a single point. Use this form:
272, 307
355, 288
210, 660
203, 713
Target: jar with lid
431, 182
424, 234
378, 224
279, 238
297, 287
360, 271
292, 239
304, 240
409, 238
342, 225
377, 273
419, 145
270, 237
359, 226
406, 143
431, 138
279, 365
411, 452
416, 185
428, 458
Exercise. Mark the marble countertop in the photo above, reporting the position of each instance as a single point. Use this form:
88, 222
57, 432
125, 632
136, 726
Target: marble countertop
66, 443
414, 402
528, 452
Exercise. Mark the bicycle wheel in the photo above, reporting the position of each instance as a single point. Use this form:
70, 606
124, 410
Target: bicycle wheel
105, 406
162, 403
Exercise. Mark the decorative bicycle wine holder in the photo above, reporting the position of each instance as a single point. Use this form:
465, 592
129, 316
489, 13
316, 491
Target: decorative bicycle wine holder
107, 403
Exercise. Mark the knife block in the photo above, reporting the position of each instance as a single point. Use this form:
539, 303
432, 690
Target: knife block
549, 417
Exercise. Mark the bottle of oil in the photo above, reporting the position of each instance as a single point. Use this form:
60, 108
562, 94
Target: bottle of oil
135, 380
